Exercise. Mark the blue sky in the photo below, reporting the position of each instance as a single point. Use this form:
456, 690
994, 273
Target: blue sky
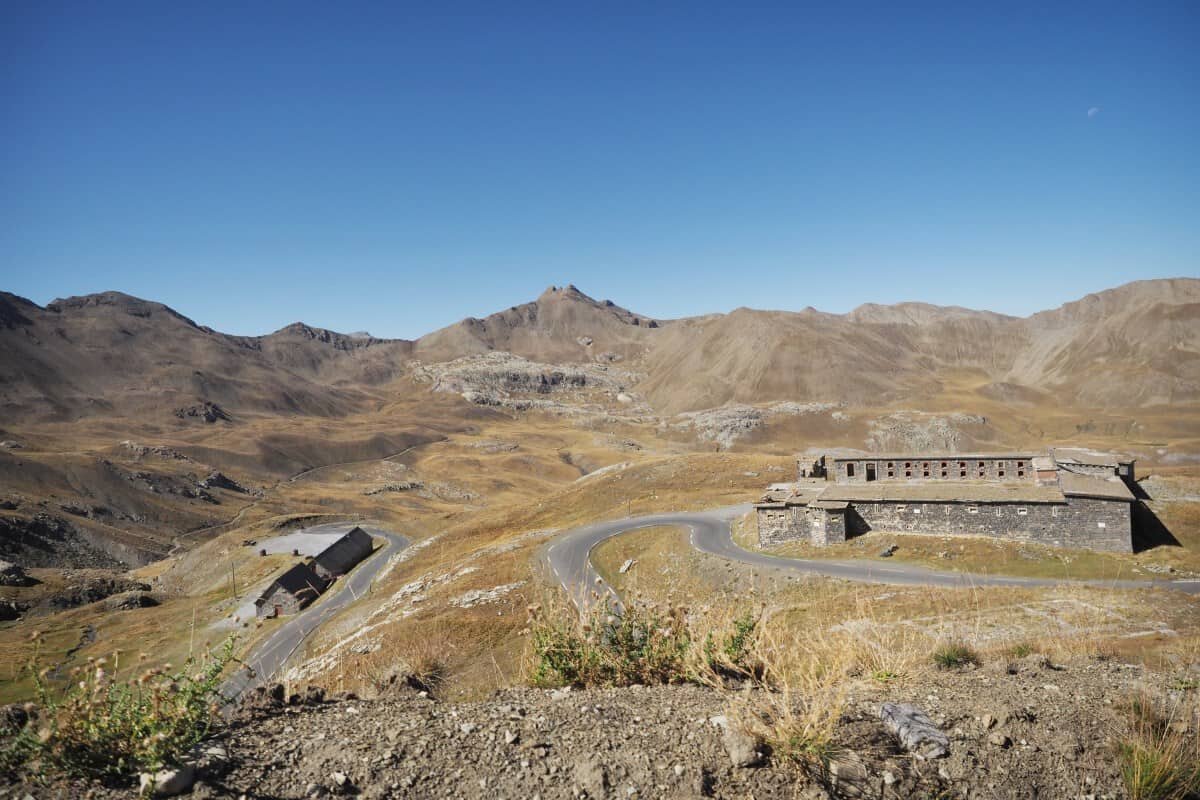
395, 168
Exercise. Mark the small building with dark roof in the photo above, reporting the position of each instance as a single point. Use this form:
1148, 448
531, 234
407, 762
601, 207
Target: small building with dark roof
344, 554
291, 592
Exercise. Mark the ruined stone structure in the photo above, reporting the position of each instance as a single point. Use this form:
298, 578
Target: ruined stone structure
1066, 498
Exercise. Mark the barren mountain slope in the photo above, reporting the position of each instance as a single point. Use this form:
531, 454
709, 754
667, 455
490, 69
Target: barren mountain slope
115, 355
562, 325
1135, 345
1132, 346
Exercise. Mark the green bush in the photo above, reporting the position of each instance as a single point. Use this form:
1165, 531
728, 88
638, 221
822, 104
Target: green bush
731, 652
641, 645
98, 726
953, 655
1020, 650
644, 644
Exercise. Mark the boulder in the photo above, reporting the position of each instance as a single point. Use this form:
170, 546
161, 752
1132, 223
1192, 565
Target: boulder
915, 731
13, 575
167, 782
591, 776
125, 601
744, 750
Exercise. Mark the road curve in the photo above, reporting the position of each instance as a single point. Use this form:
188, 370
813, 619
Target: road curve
269, 655
568, 558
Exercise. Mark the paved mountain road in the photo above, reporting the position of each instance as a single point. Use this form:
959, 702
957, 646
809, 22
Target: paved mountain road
569, 559
270, 654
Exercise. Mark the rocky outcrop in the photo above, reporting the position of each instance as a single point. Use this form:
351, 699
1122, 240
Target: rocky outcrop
48, 541
13, 575
124, 601
205, 412
219, 480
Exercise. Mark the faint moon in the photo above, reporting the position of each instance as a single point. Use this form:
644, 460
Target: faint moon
1093, 111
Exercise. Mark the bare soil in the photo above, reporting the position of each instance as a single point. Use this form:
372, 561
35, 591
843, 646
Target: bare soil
1017, 729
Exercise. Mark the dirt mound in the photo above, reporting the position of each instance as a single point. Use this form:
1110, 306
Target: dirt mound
1013, 729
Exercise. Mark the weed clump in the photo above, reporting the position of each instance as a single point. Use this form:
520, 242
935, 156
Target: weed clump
1158, 757
100, 727
954, 655
643, 643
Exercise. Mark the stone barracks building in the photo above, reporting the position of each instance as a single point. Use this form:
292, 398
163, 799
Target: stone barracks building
1065, 498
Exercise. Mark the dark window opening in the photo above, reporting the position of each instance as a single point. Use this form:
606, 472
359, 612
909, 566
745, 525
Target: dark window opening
926, 471
1000, 473
849, 470
870, 472
908, 473
1020, 473
943, 473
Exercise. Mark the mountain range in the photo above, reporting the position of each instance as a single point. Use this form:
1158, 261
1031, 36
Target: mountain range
1134, 346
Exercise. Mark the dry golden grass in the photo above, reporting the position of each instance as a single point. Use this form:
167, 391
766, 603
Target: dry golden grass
480, 499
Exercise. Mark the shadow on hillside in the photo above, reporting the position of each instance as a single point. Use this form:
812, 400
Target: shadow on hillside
1149, 531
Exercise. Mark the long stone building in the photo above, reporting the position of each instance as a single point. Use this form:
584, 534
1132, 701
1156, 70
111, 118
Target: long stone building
1066, 498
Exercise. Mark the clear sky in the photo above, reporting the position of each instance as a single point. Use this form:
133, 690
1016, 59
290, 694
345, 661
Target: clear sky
395, 167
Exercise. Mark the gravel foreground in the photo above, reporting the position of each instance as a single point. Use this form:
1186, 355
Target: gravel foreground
1025, 729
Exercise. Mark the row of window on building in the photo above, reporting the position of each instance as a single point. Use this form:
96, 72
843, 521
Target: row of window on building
1020, 510
946, 468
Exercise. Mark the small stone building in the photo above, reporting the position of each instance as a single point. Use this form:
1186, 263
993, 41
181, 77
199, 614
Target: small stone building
303, 583
1067, 498
344, 554
291, 592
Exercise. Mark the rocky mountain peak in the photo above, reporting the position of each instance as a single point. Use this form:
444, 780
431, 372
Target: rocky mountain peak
102, 302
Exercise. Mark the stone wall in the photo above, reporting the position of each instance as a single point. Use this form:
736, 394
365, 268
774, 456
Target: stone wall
288, 603
799, 524
780, 525
1079, 522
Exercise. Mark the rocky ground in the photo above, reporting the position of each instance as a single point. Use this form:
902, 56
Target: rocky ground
1020, 729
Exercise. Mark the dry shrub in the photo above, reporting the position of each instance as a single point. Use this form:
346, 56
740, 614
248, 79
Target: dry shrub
801, 695
99, 726
419, 655
1159, 754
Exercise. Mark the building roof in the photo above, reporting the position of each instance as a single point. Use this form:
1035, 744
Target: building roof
296, 581
1079, 455
1103, 487
933, 456
341, 556
791, 494
830, 505
943, 492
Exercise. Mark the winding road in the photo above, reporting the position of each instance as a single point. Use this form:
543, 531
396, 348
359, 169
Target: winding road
569, 559
266, 657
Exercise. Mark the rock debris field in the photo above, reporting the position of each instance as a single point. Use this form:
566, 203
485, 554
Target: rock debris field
1018, 729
